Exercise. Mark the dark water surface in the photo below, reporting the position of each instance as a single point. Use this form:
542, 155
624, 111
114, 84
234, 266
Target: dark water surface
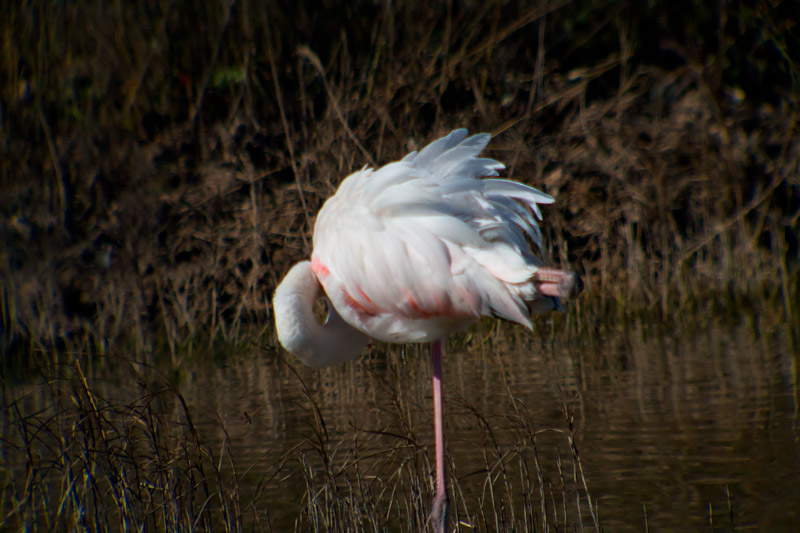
694, 429
671, 431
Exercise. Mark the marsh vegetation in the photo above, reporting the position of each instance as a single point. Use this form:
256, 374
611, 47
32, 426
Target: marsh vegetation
161, 166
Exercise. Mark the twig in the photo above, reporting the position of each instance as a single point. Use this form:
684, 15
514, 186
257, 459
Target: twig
304, 51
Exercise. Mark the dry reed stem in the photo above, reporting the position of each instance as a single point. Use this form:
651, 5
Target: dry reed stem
158, 180
166, 225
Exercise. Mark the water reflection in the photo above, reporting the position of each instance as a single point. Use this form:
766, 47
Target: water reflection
679, 432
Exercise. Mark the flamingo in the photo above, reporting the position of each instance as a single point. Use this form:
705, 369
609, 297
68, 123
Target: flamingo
413, 251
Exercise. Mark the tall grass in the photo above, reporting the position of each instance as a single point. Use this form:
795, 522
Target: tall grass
384, 478
76, 459
162, 162
158, 180
85, 448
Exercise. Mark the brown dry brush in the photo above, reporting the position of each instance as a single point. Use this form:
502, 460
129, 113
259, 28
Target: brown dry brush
158, 180
161, 164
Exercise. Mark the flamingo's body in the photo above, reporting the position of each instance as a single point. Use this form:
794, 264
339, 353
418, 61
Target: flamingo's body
415, 250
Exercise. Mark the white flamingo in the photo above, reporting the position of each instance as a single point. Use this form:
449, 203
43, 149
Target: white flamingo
413, 251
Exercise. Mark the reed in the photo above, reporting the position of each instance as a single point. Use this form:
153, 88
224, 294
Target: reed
84, 447
80, 455
162, 163
158, 180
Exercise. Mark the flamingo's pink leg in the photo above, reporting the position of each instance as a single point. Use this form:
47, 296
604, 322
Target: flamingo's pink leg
439, 514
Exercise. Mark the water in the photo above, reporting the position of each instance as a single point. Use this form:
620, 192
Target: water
695, 425
689, 430
681, 432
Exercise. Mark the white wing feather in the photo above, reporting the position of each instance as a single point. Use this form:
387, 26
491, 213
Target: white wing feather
425, 239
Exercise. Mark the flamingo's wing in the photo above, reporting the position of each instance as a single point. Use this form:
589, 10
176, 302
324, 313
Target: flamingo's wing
425, 237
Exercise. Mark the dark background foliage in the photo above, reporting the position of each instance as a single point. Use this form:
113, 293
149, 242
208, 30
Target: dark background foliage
161, 162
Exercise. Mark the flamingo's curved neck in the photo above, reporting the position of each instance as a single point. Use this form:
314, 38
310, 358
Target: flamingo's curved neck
298, 330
